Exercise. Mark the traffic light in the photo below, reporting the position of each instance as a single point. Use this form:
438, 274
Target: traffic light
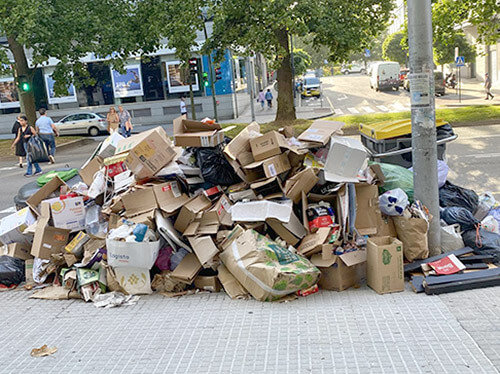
24, 84
193, 66
218, 74
205, 79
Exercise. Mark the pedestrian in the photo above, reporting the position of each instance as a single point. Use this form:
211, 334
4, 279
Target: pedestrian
24, 134
262, 99
19, 146
183, 107
269, 98
487, 87
46, 129
125, 124
113, 120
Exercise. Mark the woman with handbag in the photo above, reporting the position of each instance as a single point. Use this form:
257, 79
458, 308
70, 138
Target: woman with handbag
24, 134
19, 146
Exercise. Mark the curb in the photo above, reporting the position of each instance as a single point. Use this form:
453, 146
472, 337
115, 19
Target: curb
75, 143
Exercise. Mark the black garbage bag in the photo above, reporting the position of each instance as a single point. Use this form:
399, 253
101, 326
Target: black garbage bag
483, 242
11, 270
461, 216
37, 150
453, 195
214, 166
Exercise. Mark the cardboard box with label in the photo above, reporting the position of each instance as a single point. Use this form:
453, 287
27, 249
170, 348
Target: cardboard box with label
13, 226
268, 145
190, 211
18, 250
268, 168
48, 240
189, 133
320, 132
68, 213
169, 196
75, 246
384, 264
303, 181
345, 159
132, 254
340, 272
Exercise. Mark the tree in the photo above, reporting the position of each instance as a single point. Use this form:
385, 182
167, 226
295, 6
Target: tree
266, 26
393, 49
301, 61
444, 49
63, 29
318, 53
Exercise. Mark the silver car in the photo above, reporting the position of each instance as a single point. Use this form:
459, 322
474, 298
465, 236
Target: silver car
82, 123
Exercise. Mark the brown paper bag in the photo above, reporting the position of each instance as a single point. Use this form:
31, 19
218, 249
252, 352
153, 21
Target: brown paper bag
413, 233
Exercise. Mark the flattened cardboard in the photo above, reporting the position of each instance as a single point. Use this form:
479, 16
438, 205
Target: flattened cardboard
88, 171
140, 201
290, 232
312, 242
320, 131
204, 248
48, 240
231, 285
189, 133
268, 168
367, 209
187, 269
44, 193
258, 211
18, 250
384, 264
190, 210
169, 197
303, 181
147, 218
345, 158
267, 145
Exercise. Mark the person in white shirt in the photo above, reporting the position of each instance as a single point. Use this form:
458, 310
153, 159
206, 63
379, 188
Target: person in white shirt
46, 130
183, 107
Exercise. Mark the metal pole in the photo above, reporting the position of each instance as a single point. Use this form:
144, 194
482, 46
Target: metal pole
212, 85
460, 84
233, 78
250, 86
423, 116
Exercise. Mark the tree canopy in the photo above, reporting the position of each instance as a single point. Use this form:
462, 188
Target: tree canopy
393, 48
444, 49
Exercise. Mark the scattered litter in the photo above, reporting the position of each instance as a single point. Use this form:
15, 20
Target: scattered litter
44, 350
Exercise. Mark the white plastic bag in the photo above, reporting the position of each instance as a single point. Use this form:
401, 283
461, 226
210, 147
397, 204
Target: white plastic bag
451, 238
393, 202
443, 170
491, 224
98, 185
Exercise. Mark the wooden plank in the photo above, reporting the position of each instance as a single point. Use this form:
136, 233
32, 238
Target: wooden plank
441, 279
469, 284
415, 265
476, 266
417, 283
477, 258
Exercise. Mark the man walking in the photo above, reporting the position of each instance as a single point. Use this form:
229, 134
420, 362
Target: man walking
46, 130
487, 86
269, 98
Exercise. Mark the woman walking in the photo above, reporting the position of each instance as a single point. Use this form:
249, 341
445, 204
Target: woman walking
24, 134
19, 146
113, 120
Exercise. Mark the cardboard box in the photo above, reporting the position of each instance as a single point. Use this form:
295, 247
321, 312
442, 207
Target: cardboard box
48, 240
75, 246
367, 209
68, 213
303, 181
345, 159
267, 145
269, 188
18, 250
190, 210
238, 152
13, 226
204, 248
342, 271
207, 283
139, 201
291, 232
132, 254
169, 196
313, 242
108, 146
258, 211
384, 264
268, 168
88, 170
189, 133
320, 131
47, 191
187, 269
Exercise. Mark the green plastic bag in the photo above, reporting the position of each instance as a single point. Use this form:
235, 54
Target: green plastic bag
396, 177
63, 174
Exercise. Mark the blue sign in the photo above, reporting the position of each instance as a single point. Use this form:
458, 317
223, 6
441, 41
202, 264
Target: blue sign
368, 53
460, 61
224, 85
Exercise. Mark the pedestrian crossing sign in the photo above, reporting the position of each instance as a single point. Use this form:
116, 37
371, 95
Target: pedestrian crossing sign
460, 61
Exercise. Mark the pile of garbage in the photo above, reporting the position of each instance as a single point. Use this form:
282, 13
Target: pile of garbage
271, 216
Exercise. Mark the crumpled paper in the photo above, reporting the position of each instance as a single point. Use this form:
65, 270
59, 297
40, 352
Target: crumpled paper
112, 299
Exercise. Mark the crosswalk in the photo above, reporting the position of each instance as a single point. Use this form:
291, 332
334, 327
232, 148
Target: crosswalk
369, 109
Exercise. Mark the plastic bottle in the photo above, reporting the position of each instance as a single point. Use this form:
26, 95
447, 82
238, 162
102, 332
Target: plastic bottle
140, 231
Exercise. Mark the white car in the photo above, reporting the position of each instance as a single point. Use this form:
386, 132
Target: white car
82, 123
353, 68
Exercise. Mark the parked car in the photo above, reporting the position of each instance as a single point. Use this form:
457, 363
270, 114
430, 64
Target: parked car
82, 123
385, 75
311, 86
439, 84
402, 75
354, 68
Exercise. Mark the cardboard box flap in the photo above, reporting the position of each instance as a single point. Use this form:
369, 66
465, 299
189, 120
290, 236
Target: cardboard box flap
140, 201
353, 258
187, 269
320, 262
312, 241
241, 142
345, 159
190, 126
88, 171
303, 181
126, 144
320, 131
169, 196
44, 193
204, 248
367, 209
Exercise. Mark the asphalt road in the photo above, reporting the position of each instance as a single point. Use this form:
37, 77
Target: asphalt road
474, 160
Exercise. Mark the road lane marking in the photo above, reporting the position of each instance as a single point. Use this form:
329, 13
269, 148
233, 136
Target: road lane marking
9, 168
343, 97
338, 111
398, 106
330, 103
353, 110
12, 209
367, 109
383, 108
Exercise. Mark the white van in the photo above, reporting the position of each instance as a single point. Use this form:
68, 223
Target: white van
385, 75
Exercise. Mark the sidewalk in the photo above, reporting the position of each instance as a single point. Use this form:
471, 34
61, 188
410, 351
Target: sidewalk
472, 94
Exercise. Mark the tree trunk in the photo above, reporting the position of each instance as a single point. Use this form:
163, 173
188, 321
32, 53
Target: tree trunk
286, 108
27, 99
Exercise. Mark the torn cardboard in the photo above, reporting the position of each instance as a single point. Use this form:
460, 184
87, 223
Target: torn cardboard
303, 181
320, 131
48, 240
187, 269
204, 248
